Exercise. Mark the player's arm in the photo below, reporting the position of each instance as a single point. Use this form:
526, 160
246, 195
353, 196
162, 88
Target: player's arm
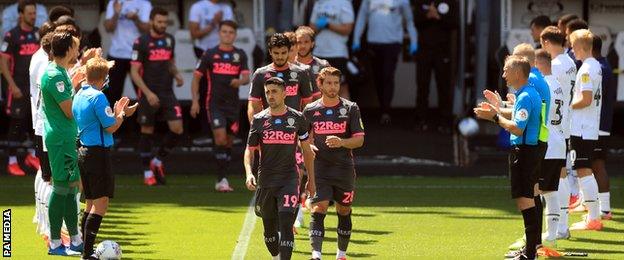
255, 95
360, 22
244, 73
197, 32
406, 11
173, 69
308, 161
584, 101
112, 16
135, 67
198, 74
253, 143
6, 72
353, 142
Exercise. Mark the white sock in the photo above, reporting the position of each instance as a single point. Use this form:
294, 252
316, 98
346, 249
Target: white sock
589, 186
605, 201
552, 214
157, 161
148, 174
76, 240
32, 152
340, 253
564, 201
54, 243
12, 159
573, 183
277, 257
316, 254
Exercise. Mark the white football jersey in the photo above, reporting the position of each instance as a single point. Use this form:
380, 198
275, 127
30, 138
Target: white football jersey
564, 70
556, 138
585, 122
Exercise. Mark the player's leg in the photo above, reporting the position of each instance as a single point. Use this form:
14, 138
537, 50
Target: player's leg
598, 166
343, 195
442, 67
70, 215
549, 185
146, 119
219, 124
588, 184
266, 208
423, 79
287, 201
172, 112
522, 163
16, 109
320, 204
389, 59
56, 202
564, 199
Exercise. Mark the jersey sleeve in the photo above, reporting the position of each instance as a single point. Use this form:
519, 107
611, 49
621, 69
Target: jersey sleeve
257, 86
60, 89
304, 128
314, 87
355, 121
103, 111
305, 85
203, 64
139, 54
195, 13
110, 11
522, 111
347, 14
253, 140
144, 12
7, 47
586, 81
244, 63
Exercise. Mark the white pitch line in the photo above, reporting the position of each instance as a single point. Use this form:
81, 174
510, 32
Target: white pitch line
245, 234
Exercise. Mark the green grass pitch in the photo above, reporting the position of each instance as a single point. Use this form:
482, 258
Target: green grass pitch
393, 218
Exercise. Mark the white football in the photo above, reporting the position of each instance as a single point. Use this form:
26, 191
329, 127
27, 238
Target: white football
108, 250
468, 126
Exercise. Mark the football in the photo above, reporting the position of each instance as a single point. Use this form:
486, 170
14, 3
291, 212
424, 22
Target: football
108, 250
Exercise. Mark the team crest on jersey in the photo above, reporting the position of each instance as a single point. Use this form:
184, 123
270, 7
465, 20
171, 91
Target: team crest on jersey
585, 78
135, 55
236, 57
293, 75
60, 86
109, 112
522, 115
343, 112
291, 122
315, 69
168, 40
198, 64
215, 122
5, 46
37, 35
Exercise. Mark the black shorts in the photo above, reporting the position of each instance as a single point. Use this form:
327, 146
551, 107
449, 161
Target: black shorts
18, 108
340, 187
550, 173
169, 110
46, 172
95, 172
524, 161
600, 150
224, 118
581, 152
271, 200
339, 63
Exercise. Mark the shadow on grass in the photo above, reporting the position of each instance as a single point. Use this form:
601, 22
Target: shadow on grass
598, 241
349, 254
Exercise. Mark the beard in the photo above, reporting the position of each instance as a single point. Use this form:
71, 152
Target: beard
306, 54
159, 31
280, 63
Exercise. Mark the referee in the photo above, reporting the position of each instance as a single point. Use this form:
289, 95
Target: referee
96, 124
523, 122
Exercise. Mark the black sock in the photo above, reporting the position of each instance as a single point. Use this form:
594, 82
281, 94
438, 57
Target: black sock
170, 141
539, 210
91, 229
287, 238
145, 150
530, 230
271, 238
344, 231
83, 222
221, 156
14, 135
317, 231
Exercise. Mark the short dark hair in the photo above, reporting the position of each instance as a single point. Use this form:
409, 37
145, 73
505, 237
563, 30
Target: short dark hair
66, 20
61, 42
542, 55
279, 40
21, 5
292, 37
577, 24
67, 28
597, 46
157, 10
275, 81
46, 43
554, 35
566, 18
229, 23
46, 28
60, 10
541, 21
328, 71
